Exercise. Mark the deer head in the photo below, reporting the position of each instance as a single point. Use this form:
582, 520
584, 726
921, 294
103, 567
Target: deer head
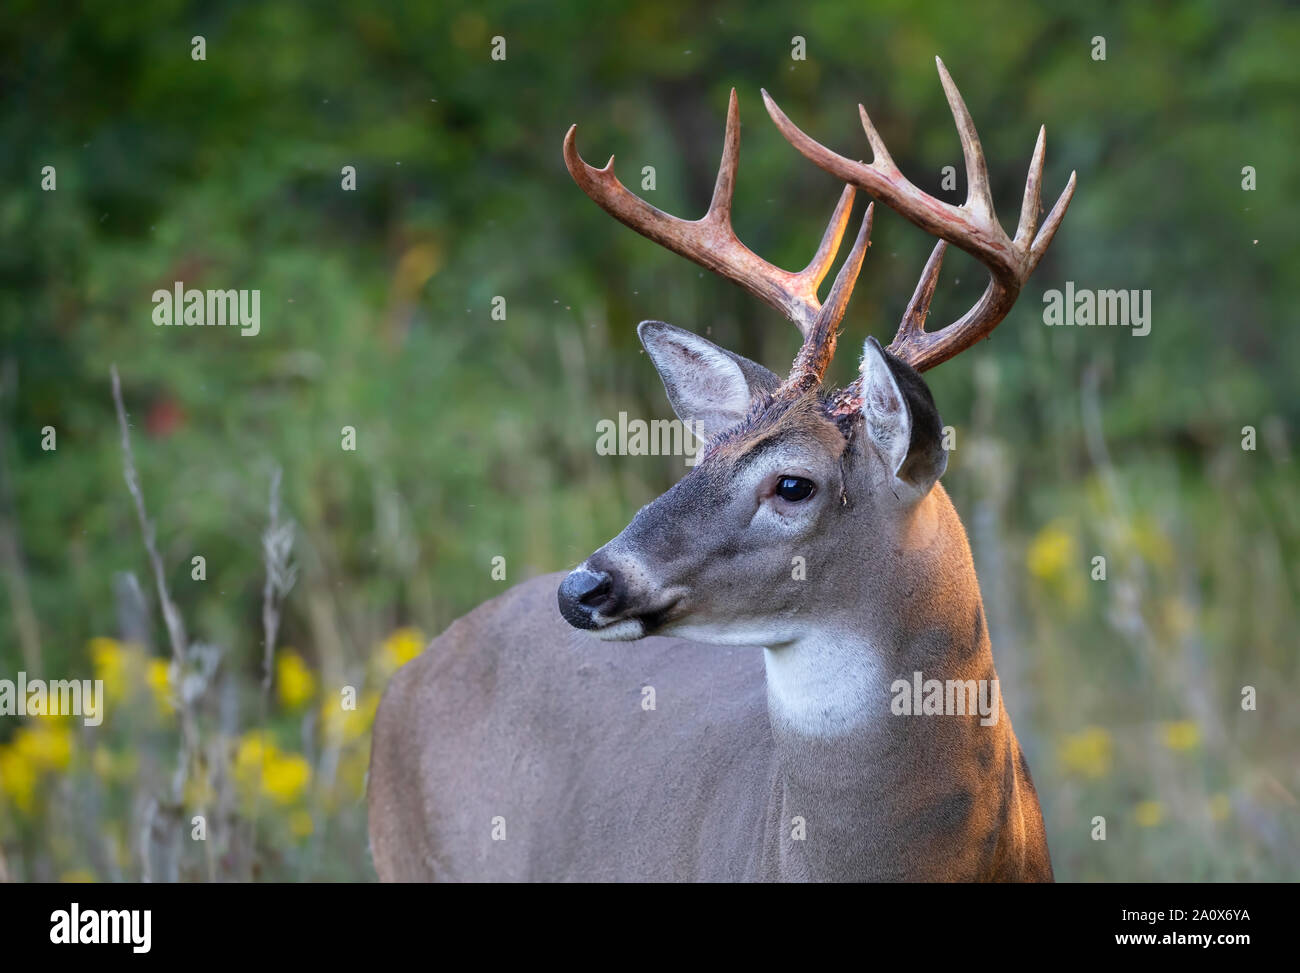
793, 476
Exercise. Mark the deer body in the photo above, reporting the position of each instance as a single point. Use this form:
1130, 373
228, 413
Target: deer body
786, 605
522, 721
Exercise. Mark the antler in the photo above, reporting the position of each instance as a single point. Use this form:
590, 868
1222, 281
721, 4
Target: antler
973, 227
712, 243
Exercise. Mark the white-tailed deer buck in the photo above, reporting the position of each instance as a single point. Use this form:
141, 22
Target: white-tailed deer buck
865, 739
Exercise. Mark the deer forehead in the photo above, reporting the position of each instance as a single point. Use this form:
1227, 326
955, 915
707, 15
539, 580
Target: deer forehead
778, 427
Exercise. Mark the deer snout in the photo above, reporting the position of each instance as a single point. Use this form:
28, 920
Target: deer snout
584, 593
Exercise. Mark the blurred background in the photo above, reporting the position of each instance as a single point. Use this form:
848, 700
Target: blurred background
475, 437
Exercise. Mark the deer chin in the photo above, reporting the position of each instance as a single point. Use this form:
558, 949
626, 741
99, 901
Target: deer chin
623, 630
633, 627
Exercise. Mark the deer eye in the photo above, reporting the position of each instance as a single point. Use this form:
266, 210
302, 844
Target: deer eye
794, 488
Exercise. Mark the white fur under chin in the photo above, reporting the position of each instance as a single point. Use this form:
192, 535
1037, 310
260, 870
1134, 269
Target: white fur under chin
824, 685
628, 630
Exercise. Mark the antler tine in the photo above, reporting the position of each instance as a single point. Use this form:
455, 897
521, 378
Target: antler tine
918, 308
1033, 191
1044, 238
979, 199
711, 241
973, 227
819, 347
849, 399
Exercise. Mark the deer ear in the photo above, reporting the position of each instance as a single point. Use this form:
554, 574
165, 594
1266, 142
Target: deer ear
901, 419
708, 386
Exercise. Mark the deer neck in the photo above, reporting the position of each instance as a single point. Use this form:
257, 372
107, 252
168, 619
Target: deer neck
864, 778
918, 606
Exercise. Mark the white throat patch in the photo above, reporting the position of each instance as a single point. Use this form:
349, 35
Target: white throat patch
825, 685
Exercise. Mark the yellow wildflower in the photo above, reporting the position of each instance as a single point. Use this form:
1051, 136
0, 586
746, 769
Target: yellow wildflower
343, 723
46, 744
17, 778
109, 659
261, 766
121, 666
1149, 813
250, 754
1183, 735
1051, 552
1087, 752
400, 648
79, 876
157, 675
285, 776
295, 684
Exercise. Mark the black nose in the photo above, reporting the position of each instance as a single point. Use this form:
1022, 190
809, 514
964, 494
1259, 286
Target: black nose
582, 594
